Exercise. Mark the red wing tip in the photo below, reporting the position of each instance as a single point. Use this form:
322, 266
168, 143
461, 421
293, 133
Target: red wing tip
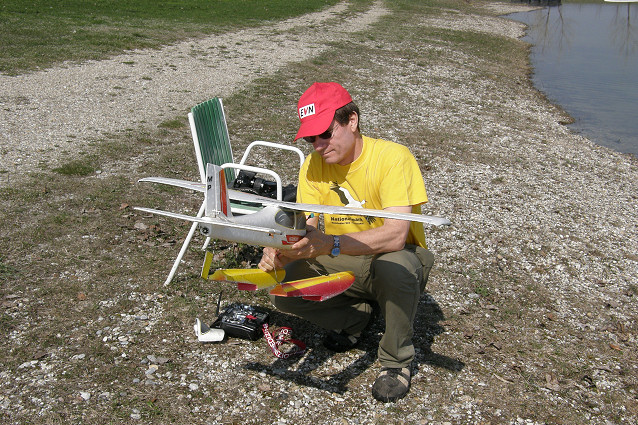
315, 297
246, 286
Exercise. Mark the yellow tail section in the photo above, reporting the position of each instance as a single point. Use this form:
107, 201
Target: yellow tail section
247, 279
317, 288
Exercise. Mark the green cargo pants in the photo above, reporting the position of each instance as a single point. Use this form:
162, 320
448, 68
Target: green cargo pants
395, 280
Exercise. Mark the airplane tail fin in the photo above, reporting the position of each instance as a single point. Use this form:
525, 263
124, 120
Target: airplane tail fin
217, 203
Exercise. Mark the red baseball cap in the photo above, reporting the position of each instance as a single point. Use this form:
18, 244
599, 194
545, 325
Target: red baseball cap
316, 107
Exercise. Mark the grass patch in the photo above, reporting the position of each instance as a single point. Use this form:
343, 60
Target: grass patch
6, 271
482, 291
40, 33
173, 124
75, 168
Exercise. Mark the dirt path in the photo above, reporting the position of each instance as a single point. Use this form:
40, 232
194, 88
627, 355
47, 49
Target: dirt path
47, 113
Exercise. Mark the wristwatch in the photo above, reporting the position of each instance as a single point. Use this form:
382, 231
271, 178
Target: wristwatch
336, 246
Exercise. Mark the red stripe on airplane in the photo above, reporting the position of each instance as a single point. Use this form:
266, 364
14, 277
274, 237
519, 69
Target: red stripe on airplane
222, 193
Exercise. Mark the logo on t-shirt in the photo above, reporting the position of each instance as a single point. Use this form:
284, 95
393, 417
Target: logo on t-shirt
348, 200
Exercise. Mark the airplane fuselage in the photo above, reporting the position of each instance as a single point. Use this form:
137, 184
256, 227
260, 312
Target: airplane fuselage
286, 227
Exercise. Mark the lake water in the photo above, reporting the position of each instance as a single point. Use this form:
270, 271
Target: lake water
585, 59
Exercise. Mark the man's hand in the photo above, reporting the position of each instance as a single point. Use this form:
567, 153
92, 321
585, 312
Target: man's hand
271, 259
313, 244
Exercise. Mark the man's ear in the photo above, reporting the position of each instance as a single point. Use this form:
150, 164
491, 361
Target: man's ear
354, 121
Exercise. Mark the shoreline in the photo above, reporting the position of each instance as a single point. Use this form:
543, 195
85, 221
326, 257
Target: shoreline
557, 33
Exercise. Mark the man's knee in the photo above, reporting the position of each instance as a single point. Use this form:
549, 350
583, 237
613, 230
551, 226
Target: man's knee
427, 261
398, 268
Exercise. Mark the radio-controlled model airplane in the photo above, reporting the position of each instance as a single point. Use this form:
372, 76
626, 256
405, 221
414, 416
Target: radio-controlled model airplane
278, 224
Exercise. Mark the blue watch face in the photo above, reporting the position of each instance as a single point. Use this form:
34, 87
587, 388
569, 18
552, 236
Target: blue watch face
336, 247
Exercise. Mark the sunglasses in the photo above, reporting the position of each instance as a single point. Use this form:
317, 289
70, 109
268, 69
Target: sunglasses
325, 135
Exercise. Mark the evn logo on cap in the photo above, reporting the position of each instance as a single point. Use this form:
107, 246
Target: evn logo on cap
306, 111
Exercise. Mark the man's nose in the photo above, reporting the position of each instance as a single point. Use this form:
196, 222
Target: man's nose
320, 144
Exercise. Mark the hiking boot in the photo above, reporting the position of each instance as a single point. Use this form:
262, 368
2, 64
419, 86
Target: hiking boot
340, 342
392, 384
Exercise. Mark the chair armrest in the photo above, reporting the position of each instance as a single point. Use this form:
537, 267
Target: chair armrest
258, 170
272, 145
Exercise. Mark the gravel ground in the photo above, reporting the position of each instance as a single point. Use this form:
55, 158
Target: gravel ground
546, 216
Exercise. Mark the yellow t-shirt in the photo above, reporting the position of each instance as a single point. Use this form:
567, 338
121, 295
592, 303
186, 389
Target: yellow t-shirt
385, 175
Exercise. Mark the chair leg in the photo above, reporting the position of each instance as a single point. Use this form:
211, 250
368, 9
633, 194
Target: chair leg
182, 251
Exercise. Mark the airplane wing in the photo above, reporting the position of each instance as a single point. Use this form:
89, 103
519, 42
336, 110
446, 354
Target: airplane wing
330, 209
185, 184
209, 220
319, 209
246, 279
249, 279
318, 288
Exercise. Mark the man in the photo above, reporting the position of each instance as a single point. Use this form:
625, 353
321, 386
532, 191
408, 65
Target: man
388, 257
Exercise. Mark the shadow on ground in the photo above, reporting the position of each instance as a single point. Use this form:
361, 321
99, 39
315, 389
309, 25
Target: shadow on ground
300, 369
